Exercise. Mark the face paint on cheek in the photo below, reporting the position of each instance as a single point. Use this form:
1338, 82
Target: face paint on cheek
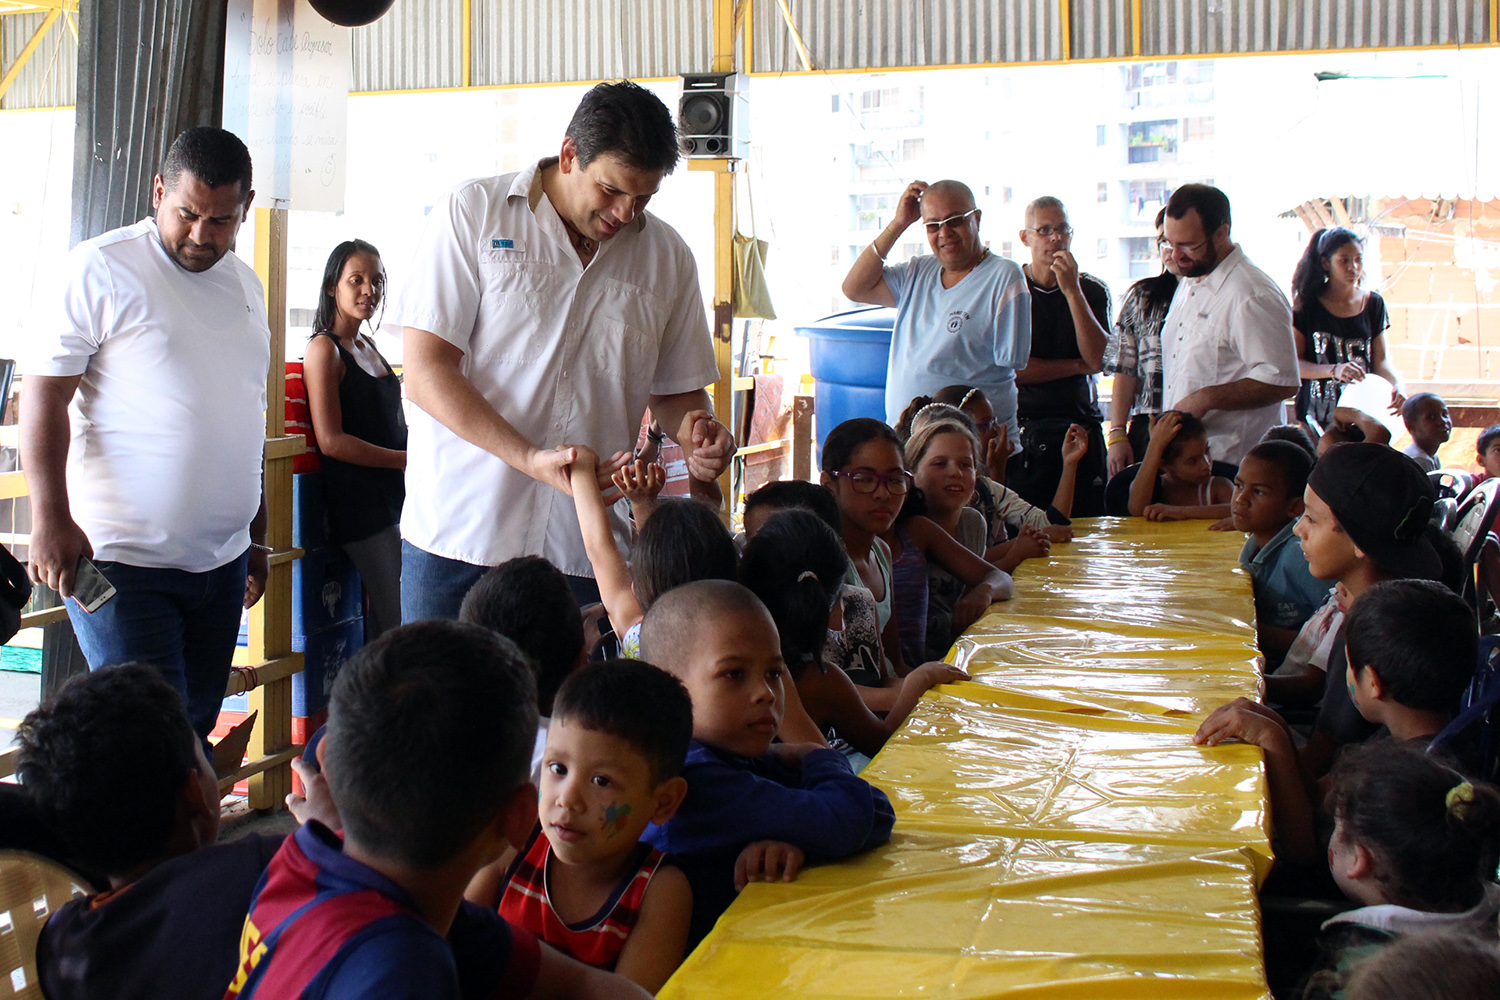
615, 815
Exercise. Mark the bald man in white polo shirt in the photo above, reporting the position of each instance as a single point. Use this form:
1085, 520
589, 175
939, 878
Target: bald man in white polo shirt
546, 308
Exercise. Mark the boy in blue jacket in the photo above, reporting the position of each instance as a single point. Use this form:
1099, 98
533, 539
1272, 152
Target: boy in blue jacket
753, 809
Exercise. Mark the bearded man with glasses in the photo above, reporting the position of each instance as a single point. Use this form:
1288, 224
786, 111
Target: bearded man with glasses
1069, 331
963, 315
1228, 356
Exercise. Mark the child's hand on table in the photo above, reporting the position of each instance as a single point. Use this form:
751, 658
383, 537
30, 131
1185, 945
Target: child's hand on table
767, 861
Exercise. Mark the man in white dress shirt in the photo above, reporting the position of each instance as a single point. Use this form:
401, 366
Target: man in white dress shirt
546, 308
1227, 351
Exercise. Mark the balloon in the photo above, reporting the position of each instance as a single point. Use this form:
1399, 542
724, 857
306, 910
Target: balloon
352, 13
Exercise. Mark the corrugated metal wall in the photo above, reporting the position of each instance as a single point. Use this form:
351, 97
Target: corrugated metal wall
418, 45
150, 70
1194, 27
860, 34
1101, 30
556, 41
47, 79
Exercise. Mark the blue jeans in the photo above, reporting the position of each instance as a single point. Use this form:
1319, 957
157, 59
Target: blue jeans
184, 624
433, 587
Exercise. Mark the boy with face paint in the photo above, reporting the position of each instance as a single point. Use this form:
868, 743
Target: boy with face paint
584, 882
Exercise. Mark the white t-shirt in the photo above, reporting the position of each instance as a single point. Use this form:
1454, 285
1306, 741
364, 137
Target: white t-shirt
1229, 324
168, 423
566, 354
976, 333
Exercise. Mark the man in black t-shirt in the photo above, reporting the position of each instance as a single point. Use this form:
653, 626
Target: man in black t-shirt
1069, 329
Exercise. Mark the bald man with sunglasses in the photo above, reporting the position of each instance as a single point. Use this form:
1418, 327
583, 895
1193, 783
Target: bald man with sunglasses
963, 314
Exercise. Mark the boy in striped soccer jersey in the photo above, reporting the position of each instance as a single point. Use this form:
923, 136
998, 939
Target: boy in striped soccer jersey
584, 882
427, 756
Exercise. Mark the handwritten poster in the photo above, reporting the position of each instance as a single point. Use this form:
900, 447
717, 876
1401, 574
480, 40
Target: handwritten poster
286, 92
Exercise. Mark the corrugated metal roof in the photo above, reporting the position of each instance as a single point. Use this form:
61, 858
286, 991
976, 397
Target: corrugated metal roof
556, 41
47, 79
889, 34
1205, 27
417, 45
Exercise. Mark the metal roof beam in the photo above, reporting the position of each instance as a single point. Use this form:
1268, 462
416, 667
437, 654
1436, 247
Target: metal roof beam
36, 6
25, 54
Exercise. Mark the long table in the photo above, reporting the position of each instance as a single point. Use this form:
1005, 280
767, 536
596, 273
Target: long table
1057, 832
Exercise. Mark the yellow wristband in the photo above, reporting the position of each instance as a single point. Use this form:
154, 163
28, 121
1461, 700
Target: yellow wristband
1117, 436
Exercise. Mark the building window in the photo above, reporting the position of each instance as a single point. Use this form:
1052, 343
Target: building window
1153, 142
1152, 74
1147, 198
910, 250
873, 211
835, 103
1197, 129
886, 97
1103, 191
1005, 248
834, 256
1101, 250
913, 149
1005, 195
1101, 135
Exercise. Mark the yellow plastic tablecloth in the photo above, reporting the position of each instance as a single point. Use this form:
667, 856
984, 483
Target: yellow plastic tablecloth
1057, 832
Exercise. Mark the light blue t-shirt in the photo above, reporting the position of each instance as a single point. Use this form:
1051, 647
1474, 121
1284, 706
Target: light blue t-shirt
976, 333
1286, 592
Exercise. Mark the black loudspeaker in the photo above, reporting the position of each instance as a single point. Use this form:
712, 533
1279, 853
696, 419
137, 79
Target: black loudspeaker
713, 117
352, 13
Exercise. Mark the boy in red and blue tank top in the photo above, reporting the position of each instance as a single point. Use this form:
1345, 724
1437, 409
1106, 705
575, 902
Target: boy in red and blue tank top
584, 882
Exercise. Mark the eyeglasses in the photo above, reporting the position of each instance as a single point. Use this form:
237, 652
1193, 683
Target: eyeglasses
1182, 248
1047, 232
868, 481
952, 222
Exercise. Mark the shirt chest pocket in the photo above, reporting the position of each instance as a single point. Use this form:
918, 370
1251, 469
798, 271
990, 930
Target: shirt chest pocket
621, 326
503, 274
522, 302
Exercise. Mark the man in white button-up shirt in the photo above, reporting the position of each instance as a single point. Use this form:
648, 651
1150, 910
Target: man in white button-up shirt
1227, 351
546, 308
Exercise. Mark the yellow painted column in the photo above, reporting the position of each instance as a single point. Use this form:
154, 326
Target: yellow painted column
270, 633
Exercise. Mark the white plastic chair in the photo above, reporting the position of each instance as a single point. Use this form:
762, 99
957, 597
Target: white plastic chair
31, 890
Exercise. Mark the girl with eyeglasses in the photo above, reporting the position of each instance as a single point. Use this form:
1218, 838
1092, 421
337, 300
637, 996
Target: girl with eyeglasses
865, 469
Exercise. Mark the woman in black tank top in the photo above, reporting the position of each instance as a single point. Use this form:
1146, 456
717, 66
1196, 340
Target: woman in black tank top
355, 401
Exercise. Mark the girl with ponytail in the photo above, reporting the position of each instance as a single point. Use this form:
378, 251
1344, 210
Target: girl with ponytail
1416, 842
796, 565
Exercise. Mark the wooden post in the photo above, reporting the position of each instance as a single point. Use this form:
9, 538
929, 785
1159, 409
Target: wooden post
724, 316
802, 437
270, 634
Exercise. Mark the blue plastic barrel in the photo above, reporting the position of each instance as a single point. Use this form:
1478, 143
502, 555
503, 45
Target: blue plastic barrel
848, 353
